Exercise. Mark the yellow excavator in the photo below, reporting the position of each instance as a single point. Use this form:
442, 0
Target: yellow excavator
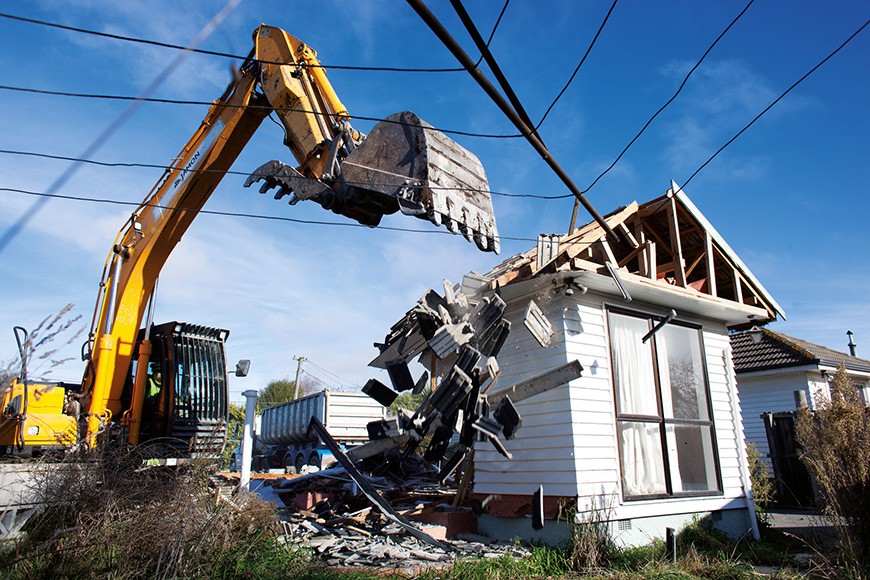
168, 382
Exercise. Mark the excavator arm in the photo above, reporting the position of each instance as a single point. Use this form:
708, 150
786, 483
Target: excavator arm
403, 165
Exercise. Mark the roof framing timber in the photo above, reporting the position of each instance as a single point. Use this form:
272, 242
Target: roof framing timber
661, 235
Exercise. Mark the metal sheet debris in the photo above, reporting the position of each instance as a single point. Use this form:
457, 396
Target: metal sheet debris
368, 489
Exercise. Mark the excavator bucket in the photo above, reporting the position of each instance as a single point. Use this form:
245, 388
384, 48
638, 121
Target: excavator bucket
437, 178
403, 165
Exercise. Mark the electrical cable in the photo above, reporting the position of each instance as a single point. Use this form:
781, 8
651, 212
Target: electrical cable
315, 378
238, 214
692, 176
330, 374
217, 53
232, 106
101, 139
494, 28
768, 107
450, 43
483, 47
775, 101
671, 100
576, 70
246, 174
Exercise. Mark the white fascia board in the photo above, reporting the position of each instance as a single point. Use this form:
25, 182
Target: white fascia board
683, 300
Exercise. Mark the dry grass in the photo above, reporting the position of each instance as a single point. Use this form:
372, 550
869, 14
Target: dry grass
114, 518
836, 450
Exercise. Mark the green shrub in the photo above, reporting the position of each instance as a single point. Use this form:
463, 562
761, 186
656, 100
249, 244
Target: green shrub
762, 486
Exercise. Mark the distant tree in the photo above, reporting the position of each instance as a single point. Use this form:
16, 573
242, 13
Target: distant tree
235, 427
282, 391
407, 400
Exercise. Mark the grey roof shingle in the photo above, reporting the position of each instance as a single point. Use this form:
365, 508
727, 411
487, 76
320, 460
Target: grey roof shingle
777, 350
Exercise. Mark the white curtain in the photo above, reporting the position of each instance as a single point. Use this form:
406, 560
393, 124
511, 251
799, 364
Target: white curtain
642, 462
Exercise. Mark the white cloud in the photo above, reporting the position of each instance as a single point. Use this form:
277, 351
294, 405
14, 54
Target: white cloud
720, 98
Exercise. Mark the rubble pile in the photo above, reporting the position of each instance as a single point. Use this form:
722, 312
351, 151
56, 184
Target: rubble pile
399, 499
390, 548
325, 512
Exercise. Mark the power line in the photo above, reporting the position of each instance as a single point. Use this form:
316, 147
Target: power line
234, 106
204, 33
246, 174
494, 28
671, 100
576, 70
331, 374
776, 100
493, 65
237, 214
444, 36
315, 378
682, 186
217, 53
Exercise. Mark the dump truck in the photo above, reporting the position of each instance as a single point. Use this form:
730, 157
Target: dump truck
403, 165
282, 438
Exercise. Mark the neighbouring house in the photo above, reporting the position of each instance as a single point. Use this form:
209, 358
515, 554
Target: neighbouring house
650, 436
775, 373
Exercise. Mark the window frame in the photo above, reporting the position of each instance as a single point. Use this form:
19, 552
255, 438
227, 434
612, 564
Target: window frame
660, 420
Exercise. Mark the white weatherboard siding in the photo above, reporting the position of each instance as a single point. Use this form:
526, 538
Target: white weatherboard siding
763, 394
726, 419
543, 449
568, 440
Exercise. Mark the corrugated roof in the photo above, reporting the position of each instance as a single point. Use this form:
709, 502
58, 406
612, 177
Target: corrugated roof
778, 350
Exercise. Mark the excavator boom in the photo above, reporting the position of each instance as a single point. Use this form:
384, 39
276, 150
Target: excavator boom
403, 165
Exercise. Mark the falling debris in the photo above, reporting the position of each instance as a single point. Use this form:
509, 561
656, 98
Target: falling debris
538, 324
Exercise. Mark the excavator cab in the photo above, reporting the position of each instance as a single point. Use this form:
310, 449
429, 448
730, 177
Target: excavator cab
185, 406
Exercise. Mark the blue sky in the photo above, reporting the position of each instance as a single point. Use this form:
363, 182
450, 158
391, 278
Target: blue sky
790, 196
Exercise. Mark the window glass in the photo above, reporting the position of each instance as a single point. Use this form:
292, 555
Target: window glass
684, 394
643, 469
692, 466
666, 437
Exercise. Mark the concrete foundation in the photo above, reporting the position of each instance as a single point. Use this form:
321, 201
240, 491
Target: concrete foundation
635, 532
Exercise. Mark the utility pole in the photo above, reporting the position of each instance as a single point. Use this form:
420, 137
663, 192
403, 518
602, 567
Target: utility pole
299, 360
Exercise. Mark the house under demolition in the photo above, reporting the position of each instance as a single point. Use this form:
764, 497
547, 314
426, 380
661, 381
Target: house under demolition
649, 435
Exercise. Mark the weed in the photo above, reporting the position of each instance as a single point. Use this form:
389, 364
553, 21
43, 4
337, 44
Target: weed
110, 517
541, 563
836, 449
592, 545
762, 486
